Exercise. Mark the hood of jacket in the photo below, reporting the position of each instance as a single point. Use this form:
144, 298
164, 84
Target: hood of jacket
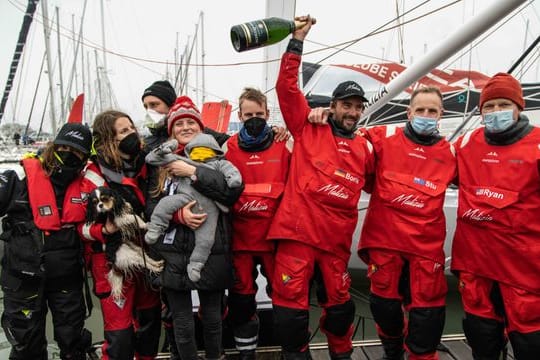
203, 140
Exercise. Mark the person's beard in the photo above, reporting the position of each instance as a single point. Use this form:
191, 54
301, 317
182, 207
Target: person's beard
347, 122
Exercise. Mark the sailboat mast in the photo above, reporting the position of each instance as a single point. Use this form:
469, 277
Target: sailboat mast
83, 81
203, 55
27, 21
103, 36
47, 33
283, 9
73, 73
475, 27
35, 95
74, 50
89, 108
60, 71
100, 90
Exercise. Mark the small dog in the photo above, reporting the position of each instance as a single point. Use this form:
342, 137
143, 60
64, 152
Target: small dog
105, 204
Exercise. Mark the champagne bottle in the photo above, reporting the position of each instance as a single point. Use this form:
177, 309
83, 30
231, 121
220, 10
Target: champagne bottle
258, 33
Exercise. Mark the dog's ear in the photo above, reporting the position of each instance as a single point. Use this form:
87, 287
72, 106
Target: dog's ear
119, 203
91, 211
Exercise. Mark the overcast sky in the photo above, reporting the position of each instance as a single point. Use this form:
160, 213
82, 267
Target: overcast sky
148, 30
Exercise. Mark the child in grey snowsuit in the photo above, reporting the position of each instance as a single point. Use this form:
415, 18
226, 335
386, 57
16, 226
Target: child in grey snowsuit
184, 193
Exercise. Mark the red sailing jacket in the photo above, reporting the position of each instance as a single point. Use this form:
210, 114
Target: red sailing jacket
498, 226
43, 202
326, 175
406, 207
93, 178
264, 174
91, 233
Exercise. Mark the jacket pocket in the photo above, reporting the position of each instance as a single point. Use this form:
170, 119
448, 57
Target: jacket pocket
430, 282
411, 194
526, 305
489, 204
335, 187
259, 200
290, 280
9, 282
381, 271
23, 253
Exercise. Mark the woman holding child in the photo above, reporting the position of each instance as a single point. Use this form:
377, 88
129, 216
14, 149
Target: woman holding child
184, 124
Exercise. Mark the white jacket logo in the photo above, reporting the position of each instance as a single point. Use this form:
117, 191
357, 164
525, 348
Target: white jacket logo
476, 214
253, 205
409, 200
75, 134
334, 190
352, 87
489, 194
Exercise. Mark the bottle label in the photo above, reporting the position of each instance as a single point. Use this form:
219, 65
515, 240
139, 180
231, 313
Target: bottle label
256, 33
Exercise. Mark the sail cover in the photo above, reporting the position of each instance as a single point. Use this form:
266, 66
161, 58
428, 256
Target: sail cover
28, 17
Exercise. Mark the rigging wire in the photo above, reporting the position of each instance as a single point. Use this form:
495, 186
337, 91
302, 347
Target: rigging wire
380, 117
487, 35
381, 29
136, 60
86, 42
377, 31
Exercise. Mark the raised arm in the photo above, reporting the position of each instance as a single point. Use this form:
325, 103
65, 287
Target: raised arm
293, 104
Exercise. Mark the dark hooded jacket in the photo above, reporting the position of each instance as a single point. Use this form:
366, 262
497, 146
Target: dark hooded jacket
176, 246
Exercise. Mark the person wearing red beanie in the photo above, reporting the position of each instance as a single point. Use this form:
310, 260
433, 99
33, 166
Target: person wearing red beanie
184, 123
495, 250
158, 99
183, 108
505, 86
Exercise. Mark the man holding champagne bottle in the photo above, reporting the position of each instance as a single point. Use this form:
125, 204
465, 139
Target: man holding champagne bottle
315, 222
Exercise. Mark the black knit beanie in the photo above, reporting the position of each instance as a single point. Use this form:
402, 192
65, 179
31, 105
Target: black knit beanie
163, 90
75, 135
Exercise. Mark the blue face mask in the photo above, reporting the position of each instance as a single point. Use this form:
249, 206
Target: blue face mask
424, 125
498, 121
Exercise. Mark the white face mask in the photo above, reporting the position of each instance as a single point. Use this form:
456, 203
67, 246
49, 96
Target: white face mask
498, 121
153, 119
424, 125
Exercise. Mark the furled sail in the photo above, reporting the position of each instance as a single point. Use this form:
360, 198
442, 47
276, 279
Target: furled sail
28, 17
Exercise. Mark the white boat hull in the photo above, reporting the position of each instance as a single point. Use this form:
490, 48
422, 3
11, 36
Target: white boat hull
450, 211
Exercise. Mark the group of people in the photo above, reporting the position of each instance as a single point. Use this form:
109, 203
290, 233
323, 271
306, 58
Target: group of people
220, 208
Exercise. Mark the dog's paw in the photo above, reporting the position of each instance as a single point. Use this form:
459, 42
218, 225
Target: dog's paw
194, 271
160, 265
155, 266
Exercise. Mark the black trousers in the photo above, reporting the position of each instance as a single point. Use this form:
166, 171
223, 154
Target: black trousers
181, 307
25, 312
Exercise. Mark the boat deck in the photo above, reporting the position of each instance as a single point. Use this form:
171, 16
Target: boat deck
367, 346
452, 347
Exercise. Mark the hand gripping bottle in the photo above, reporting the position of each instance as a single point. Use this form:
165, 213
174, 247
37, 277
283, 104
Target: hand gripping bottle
259, 33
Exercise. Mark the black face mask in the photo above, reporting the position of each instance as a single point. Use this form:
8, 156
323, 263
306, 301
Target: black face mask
68, 159
64, 175
130, 145
255, 126
68, 168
